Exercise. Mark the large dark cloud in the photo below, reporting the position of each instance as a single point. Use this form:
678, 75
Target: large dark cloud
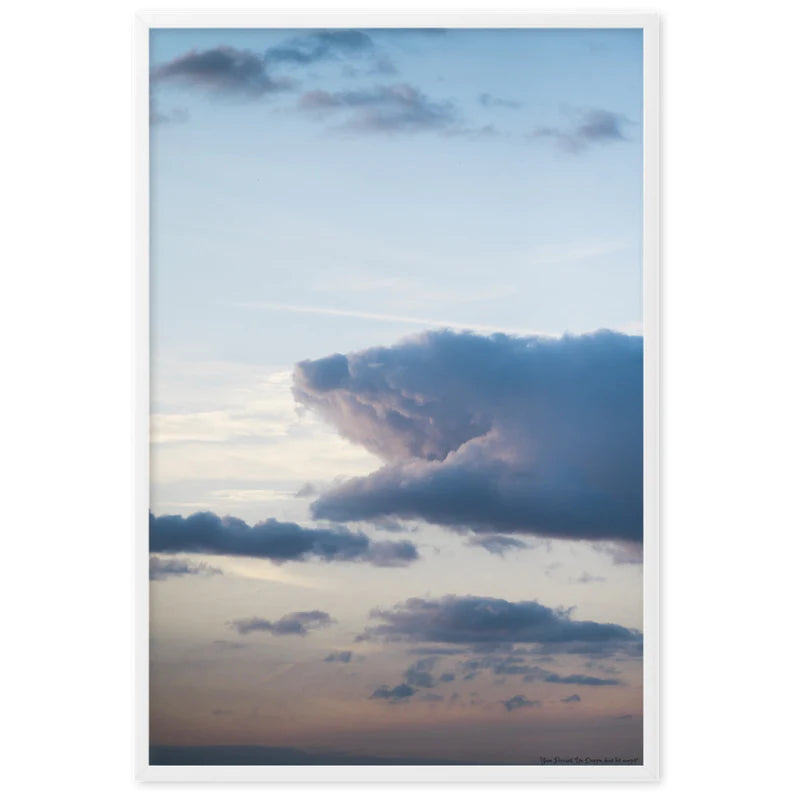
163, 568
489, 620
205, 532
590, 126
298, 623
494, 433
221, 70
383, 109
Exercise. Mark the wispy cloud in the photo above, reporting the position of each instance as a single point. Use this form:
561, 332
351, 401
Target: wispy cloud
399, 108
163, 568
393, 318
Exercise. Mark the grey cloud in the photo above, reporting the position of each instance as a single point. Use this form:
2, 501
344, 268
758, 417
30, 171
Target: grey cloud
205, 532
590, 126
383, 109
299, 623
223, 71
163, 568
573, 698
481, 620
499, 434
344, 656
520, 701
396, 695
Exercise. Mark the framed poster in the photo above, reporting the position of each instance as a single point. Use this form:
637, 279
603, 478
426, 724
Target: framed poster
398, 411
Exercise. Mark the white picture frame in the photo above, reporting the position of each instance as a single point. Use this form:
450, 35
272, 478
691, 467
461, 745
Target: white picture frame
649, 770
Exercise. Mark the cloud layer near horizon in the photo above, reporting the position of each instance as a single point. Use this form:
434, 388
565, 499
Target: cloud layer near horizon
205, 532
498, 434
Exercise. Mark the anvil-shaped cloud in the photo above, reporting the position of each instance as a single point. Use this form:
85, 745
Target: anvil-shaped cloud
494, 433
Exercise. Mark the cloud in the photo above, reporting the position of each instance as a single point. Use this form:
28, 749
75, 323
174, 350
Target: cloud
518, 665
489, 620
519, 701
333, 45
590, 126
419, 674
496, 544
344, 656
205, 532
299, 623
222, 71
163, 568
578, 680
158, 117
396, 695
382, 109
488, 100
499, 434
573, 698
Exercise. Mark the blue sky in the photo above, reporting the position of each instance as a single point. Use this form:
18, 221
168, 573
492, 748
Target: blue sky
257, 202
334, 200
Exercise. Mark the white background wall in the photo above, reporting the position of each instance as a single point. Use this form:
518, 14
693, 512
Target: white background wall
730, 400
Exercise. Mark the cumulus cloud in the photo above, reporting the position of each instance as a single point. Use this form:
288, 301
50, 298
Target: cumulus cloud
396, 695
299, 623
489, 620
205, 532
589, 126
382, 109
222, 71
163, 568
519, 701
499, 434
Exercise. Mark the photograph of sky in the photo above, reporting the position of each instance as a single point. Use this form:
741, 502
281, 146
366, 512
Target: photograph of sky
396, 396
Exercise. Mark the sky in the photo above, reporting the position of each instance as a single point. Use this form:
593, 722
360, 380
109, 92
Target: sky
396, 403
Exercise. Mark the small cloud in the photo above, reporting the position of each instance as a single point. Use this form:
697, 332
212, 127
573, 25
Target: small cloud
163, 568
573, 698
590, 126
307, 490
382, 109
344, 656
519, 701
299, 623
496, 544
398, 694
488, 100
